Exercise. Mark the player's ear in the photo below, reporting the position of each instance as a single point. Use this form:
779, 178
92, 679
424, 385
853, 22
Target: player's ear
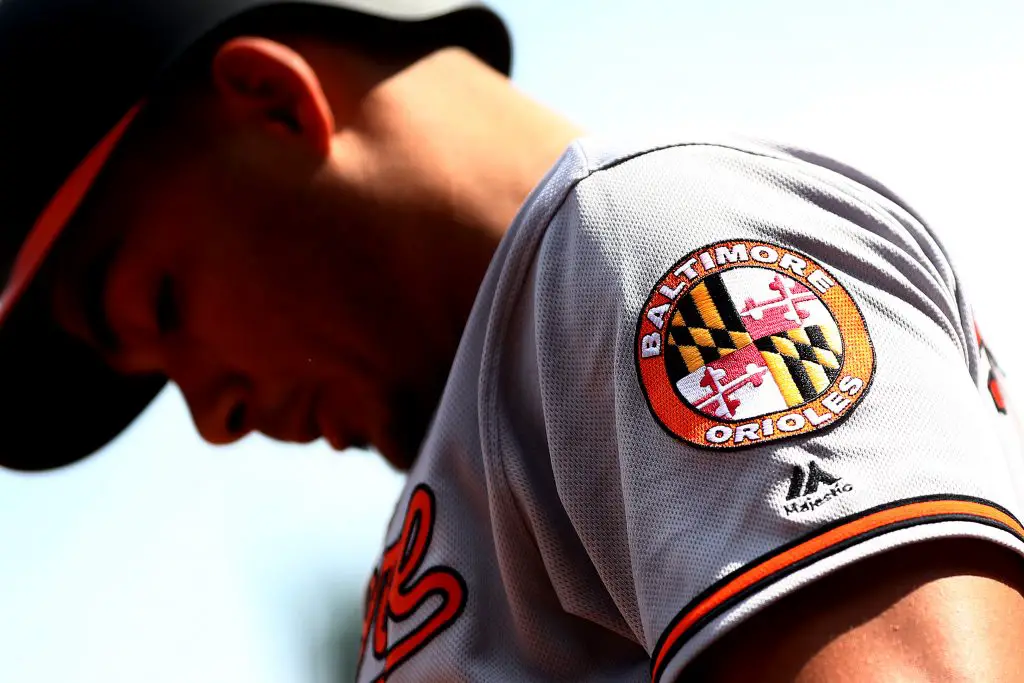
264, 81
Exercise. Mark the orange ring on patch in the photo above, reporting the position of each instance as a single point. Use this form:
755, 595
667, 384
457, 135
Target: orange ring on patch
831, 405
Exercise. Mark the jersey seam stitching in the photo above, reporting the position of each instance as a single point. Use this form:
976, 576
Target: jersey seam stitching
870, 208
515, 282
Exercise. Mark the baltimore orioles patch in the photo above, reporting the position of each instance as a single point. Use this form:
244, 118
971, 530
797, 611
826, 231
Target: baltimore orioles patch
744, 342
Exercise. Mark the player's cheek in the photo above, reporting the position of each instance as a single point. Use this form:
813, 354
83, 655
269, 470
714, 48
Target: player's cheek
128, 299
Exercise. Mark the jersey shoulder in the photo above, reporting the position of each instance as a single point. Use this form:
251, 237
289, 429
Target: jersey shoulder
640, 210
678, 299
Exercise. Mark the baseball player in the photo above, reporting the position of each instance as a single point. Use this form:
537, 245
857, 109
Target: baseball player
695, 408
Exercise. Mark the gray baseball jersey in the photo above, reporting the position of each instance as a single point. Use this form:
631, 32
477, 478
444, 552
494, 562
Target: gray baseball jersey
698, 375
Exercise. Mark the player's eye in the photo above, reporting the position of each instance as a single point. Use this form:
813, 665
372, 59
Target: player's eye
168, 318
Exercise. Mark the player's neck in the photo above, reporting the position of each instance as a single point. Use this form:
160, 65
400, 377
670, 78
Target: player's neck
440, 155
464, 134
496, 142
487, 146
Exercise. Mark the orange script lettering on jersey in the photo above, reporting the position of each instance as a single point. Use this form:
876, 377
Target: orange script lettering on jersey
395, 594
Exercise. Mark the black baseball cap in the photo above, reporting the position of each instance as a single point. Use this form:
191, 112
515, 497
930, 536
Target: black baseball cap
75, 74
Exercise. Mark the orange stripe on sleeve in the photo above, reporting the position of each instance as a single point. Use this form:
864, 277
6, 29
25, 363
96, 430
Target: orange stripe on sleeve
822, 543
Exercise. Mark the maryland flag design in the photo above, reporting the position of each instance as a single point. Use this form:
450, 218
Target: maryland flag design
704, 328
744, 342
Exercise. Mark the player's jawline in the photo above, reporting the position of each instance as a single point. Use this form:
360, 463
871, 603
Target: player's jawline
669, 644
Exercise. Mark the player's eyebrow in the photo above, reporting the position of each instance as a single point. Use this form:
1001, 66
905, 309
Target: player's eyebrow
93, 299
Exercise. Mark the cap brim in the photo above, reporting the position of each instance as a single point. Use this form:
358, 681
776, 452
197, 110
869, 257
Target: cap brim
61, 403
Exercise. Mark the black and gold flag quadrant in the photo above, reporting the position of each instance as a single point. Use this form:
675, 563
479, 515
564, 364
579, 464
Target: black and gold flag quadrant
704, 327
804, 361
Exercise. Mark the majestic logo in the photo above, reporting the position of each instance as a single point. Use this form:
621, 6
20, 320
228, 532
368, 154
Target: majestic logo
745, 342
804, 485
807, 483
396, 593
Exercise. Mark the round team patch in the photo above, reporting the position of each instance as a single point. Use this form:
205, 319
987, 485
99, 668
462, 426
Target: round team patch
745, 342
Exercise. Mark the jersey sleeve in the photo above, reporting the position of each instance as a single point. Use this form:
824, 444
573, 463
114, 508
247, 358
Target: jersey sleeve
750, 371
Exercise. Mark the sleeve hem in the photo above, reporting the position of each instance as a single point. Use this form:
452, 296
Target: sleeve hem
784, 569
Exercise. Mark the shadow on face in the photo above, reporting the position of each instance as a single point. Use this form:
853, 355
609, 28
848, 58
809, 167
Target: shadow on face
219, 250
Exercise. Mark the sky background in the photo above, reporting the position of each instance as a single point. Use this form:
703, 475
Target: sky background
162, 559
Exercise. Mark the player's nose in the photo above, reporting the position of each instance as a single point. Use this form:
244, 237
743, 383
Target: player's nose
220, 402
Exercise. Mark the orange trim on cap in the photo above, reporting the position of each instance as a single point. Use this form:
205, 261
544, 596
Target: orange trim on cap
58, 212
774, 567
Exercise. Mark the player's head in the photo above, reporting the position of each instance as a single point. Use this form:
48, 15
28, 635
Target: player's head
255, 235
255, 229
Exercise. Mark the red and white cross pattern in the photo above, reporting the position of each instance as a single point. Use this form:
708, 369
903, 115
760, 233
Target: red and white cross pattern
778, 313
740, 385
728, 376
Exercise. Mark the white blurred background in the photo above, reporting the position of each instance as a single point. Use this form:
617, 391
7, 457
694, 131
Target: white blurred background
166, 560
